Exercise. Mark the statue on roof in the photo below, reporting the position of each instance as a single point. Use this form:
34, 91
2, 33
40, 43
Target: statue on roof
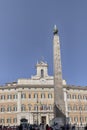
55, 30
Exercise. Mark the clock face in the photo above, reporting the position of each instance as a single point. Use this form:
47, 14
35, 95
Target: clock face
42, 80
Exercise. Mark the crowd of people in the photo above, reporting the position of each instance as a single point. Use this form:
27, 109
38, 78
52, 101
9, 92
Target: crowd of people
67, 126
56, 126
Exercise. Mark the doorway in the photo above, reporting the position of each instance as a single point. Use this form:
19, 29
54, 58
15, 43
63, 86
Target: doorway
43, 119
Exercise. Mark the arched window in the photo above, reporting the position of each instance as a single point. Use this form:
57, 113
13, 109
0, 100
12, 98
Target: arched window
42, 73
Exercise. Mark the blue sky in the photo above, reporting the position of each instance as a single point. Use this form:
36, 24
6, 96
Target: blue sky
26, 34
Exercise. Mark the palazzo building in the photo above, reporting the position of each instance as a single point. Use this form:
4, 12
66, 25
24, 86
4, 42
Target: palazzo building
33, 98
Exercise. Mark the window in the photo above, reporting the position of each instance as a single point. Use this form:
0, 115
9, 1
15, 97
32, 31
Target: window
81, 119
68, 96
9, 96
9, 108
75, 119
50, 107
15, 96
86, 119
71, 119
69, 107
15, 108
74, 107
80, 108
14, 120
23, 95
2, 120
29, 95
42, 73
85, 108
35, 107
23, 108
29, 106
2, 97
35, 95
43, 107
49, 95
79, 97
84, 97
42, 95
73, 96
2, 108
9, 120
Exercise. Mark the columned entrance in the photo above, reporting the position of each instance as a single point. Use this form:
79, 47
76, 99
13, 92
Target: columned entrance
23, 120
25, 115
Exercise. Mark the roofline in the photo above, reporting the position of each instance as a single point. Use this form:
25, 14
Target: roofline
75, 87
68, 87
26, 86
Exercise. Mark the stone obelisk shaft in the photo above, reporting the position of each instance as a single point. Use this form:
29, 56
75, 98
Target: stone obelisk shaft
59, 105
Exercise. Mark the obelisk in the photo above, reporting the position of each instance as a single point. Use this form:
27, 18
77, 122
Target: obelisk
59, 105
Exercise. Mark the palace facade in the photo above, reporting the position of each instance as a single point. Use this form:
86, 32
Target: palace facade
33, 99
